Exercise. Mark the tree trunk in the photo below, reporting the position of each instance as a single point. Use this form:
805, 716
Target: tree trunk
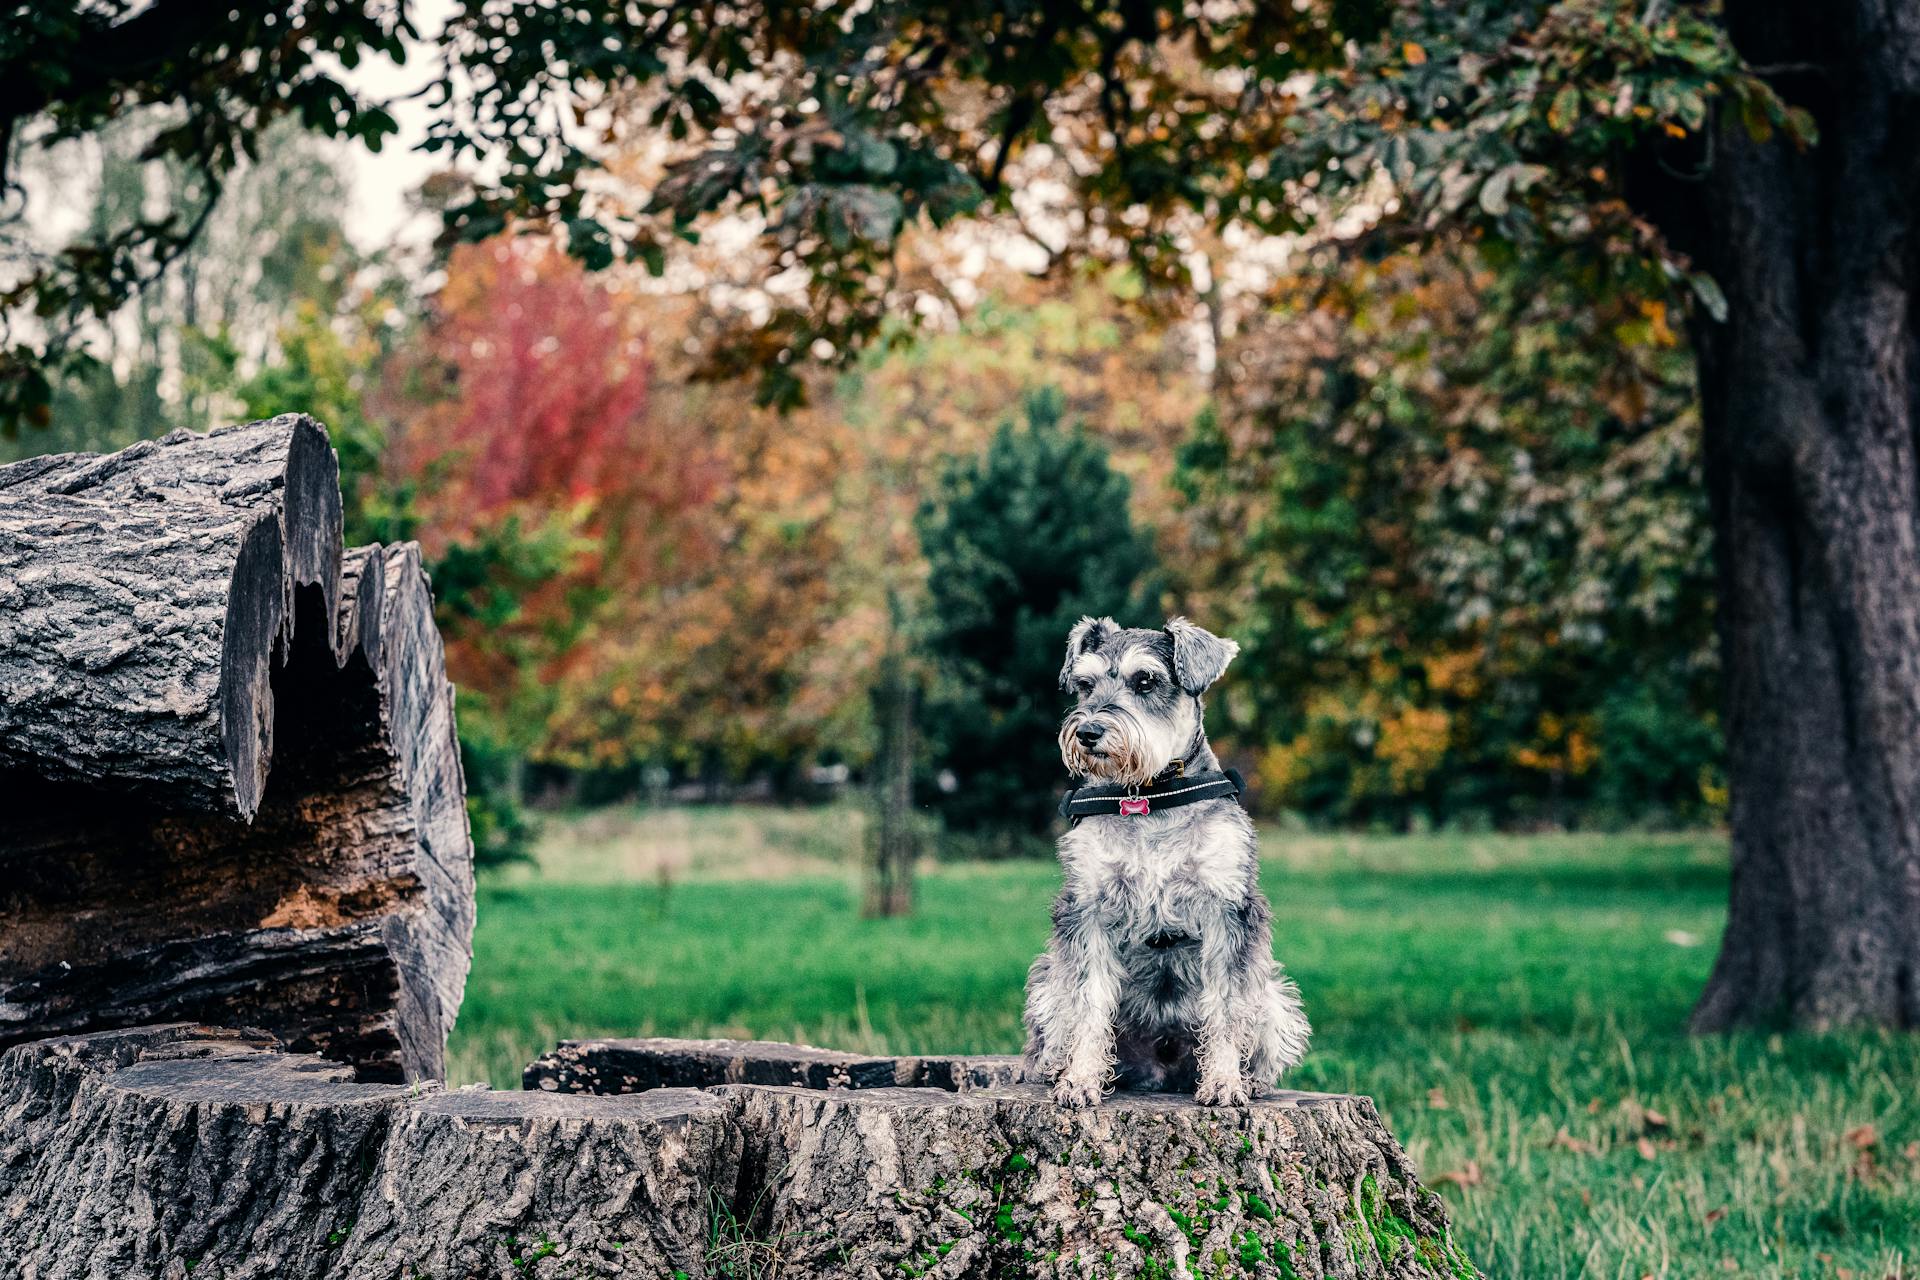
227, 749
895, 842
1809, 395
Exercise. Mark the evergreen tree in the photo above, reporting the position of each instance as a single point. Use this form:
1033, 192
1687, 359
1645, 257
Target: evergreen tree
1020, 543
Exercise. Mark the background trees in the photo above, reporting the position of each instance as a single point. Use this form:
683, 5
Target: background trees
642, 571
1454, 517
1021, 542
1744, 178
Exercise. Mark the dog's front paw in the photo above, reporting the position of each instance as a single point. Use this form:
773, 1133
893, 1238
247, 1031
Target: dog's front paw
1076, 1093
1229, 1091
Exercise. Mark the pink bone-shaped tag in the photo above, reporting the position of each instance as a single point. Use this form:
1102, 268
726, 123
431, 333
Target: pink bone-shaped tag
1133, 806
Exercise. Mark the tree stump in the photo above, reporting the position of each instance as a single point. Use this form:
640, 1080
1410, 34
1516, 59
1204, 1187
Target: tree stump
633, 1066
169, 1150
231, 780
174, 1151
950, 1166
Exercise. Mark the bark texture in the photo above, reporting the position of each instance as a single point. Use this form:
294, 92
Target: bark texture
228, 755
174, 1150
1004, 1183
631, 1066
1809, 400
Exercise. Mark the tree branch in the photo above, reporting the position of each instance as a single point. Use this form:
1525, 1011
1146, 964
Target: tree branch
133, 51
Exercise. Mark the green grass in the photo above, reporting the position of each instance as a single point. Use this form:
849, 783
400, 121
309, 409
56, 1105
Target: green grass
1515, 1005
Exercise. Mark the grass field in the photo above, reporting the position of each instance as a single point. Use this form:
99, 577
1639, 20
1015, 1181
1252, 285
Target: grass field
1515, 1005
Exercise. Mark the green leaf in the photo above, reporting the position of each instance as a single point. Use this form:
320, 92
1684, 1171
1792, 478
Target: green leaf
1564, 109
1754, 115
1707, 290
1802, 130
651, 255
877, 156
1493, 192
590, 242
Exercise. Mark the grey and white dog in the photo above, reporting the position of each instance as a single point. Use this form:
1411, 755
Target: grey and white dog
1160, 972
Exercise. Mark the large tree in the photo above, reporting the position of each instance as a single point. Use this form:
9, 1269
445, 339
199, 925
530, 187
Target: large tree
1758, 166
1810, 406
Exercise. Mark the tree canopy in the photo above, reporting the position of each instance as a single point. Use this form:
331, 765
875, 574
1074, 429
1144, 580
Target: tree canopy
829, 128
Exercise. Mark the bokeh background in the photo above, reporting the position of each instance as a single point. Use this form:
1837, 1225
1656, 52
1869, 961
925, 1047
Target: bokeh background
757, 699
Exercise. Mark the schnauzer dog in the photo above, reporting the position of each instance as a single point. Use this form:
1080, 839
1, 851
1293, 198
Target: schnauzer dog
1160, 972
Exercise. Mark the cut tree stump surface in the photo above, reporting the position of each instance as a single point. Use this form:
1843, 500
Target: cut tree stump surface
230, 785
180, 1150
631, 1066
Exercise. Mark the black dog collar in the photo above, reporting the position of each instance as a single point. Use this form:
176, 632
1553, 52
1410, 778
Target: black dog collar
1112, 799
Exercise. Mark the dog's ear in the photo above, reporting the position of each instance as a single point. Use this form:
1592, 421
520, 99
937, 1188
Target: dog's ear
1199, 656
1086, 634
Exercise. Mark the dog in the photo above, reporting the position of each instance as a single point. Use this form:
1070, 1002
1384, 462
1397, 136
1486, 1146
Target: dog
1160, 973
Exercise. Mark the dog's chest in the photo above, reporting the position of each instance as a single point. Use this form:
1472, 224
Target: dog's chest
1159, 870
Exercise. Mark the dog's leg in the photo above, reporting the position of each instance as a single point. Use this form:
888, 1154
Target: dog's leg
1044, 1019
1073, 1007
1223, 1075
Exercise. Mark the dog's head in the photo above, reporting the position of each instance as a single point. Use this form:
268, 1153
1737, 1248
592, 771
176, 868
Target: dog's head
1137, 693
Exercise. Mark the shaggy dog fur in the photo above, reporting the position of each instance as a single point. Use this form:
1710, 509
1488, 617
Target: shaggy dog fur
1160, 972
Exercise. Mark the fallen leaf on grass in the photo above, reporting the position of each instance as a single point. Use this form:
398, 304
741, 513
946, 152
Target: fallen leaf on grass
1863, 1137
1571, 1143
1437, 1100
1714, 1215
1645, 1148
1467, 1177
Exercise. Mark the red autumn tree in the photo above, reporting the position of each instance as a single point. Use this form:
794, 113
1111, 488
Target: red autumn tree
542, 486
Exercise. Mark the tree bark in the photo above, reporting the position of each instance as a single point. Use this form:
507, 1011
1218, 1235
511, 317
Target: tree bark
228, 754
159, 1151
1809, 398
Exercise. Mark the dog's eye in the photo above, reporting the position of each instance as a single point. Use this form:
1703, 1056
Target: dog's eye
1083, 684
1143, 682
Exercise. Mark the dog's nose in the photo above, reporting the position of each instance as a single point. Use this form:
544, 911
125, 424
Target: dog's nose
1090, 733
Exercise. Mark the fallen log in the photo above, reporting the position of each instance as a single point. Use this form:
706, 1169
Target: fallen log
170, 1150
231, 780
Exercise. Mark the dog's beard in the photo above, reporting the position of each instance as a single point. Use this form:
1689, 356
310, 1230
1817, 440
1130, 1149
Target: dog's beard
1129, 754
